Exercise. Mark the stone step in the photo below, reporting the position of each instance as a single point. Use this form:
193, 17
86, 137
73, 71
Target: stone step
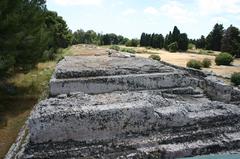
77, 67
108, 116
132, 82
140, 147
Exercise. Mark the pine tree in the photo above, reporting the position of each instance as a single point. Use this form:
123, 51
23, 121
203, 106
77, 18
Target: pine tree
213, 41
143, 40
231, 41
175, 34
183, 42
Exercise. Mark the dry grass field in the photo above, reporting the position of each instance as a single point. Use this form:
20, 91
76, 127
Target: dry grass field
181, 59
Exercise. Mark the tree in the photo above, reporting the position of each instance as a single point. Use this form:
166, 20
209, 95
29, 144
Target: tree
58, 30
183, 42
143, 40
175, 37
78, 37
213, 41
201, 43
231, 41
23, 33
133, 43
175, 34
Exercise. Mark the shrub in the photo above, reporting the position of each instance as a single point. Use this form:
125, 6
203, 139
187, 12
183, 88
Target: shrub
194, 64
115, 47
128, 50
206, 63
173, 47
155, 57
191, 46
235, 78
224, 59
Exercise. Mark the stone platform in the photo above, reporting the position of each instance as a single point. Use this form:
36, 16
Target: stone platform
112, 107
96, 75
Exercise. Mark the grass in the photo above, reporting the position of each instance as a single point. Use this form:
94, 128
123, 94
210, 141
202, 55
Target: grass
15, 108
203, 52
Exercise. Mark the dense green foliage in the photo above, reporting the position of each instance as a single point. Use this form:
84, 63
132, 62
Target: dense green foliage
224, 59
231, 41
132, 43
91, 37
214, 39
176, 37
173, 47
206, 63
235, 78
28, 31
158, 41
194, 64
155, 57
221, 40
200, 43
152, 40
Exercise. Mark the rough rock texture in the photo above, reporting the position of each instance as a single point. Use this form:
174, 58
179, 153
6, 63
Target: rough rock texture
90, 66
132, 108
144, 123
107, 74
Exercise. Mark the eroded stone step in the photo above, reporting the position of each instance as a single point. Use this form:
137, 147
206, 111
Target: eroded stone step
77, 67
139, 147
107, 116
106, 84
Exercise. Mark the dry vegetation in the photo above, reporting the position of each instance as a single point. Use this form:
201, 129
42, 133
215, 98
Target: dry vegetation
181, 58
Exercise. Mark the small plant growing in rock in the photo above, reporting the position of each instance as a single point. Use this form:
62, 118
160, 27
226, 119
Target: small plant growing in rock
206, 63
194, 64
115, 47
235, 78
224, 59
155, 57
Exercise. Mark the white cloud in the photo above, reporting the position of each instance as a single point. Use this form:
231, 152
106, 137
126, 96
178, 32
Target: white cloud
78, 2
129, 11
177, 12
208, 7
151, 10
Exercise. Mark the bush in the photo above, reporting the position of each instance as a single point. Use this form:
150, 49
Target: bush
155, 57
129, 50
173, 47
235, 78
206, 63
115, 47
194, 64
132, 43
191, 46
224, 59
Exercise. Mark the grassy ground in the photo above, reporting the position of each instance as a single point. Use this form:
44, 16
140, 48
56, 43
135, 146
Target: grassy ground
28, 89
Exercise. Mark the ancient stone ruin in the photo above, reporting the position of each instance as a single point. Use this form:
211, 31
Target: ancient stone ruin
129, 107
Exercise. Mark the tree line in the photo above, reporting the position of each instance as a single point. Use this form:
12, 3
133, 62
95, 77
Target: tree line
29, 33
174, 41
220, 39
91, 37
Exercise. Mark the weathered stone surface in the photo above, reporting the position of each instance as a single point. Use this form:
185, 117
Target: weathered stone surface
140, 123
132, 108
107, 74
90, 66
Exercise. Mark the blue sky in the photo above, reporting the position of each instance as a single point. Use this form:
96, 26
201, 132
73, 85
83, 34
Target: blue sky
132, 17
